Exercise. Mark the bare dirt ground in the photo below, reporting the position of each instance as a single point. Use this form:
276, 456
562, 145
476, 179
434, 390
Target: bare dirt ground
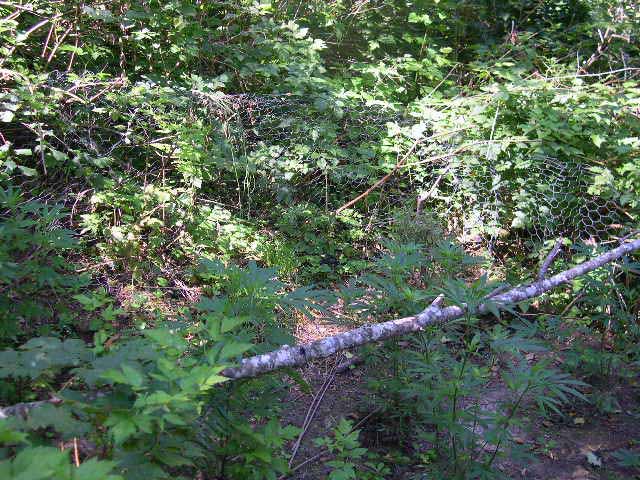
562, 448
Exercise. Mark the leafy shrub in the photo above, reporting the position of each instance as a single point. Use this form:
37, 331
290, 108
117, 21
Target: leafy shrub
178, 130
351, 460
34, 273
161, 401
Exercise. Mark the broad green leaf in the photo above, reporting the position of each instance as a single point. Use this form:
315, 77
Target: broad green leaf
133, 375
233, 349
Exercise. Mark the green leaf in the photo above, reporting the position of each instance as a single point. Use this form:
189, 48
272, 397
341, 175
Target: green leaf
122, 427
597, 140
156, 398
9, 436
229, 324
173, 459
35, 463
133, 376
233, 349
94, 469
214, 380
29, 172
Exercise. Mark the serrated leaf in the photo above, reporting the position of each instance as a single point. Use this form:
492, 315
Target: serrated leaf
94, 469
122, 428
39, 463
229, 324
133, 376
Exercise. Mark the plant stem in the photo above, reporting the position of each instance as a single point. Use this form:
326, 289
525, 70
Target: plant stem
509, 418
454, 413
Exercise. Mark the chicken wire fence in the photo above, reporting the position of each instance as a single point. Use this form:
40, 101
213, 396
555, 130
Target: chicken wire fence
307, 147
323, 151
543, 198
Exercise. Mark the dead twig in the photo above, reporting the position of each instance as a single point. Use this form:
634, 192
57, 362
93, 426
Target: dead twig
575, 300
311, 412
382, 181
397, 167
76, 456
58, 44
425, 196
324, 451
550, 258
26, 34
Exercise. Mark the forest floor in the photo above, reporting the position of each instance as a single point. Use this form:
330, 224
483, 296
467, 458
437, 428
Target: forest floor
559, 448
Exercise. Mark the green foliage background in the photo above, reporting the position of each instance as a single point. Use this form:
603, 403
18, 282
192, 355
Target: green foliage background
192, 149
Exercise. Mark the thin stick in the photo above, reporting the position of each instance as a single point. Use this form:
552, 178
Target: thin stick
46, 42
313, 408
571, 303
423, 197
443, 80
550, 258
399, 164
76, 457
322, 452
602, 74
382, 181
58, 43
467, 146
42, 158
73, 53
27, 33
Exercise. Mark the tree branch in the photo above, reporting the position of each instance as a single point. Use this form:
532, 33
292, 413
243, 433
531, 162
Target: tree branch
550, 258
288, 356
397, 167
22, 409
382, 181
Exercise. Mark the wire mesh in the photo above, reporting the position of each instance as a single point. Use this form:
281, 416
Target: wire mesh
327, 150
543, 198
312, 146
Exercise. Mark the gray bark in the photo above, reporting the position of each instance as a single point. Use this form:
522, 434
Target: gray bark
23, 409
288, 356
550, 258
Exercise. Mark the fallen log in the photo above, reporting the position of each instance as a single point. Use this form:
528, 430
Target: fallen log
295, 356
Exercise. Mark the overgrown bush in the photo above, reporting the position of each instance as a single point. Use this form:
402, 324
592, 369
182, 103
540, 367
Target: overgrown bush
201, 157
